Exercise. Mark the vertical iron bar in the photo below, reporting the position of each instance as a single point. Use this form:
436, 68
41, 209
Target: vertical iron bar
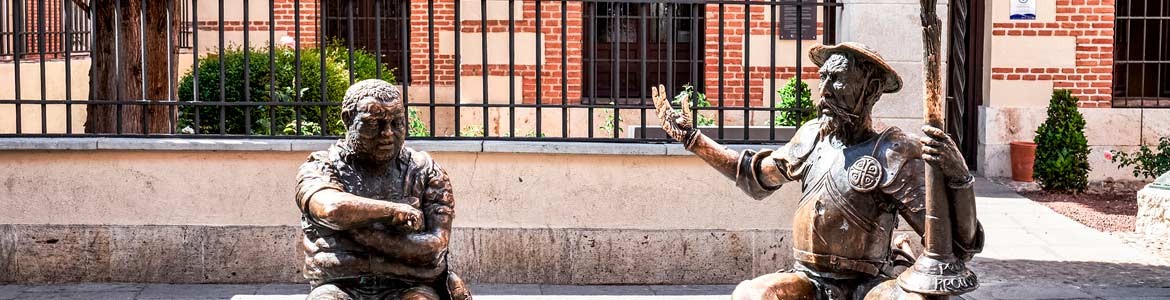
483, 28
564, 70
799, 59
431, 60
592, 38
458, 66
144, 107
669, 49
1163, 57
349, 39
118, 63
615, 62
297, 62
694, 45
747, 55
1145, 57
272, 67
511, 69
171, 97
378, 36
17, 51
222, 74
194, 59
41, 50
642, 54
406, 53
322, 110
721, 70
68, 68
539, 83
247, 74
4, 44
772, 72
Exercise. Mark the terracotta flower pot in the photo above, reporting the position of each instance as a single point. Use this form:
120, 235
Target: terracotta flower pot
1023, 157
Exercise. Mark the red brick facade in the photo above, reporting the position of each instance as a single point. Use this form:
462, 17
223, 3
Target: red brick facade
284, 12
1091, 22
732, 41
53, 29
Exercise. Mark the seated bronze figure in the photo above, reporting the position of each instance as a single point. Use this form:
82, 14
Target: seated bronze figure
855, 181
376, 215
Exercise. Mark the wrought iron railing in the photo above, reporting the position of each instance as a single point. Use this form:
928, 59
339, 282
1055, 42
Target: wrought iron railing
554, 70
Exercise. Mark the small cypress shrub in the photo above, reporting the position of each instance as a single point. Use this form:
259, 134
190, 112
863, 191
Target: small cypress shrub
793, 111
1062, 152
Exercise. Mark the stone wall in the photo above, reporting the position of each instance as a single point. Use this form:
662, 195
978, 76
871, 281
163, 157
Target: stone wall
222, 211
1153, 218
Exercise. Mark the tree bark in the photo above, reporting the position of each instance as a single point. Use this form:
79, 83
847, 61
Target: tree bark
126, 35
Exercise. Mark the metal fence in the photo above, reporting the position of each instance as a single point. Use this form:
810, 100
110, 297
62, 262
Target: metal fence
550, 70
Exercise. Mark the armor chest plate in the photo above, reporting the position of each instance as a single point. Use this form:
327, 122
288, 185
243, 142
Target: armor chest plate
842, 211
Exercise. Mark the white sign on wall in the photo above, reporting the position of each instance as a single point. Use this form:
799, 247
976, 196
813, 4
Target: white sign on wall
1023, 9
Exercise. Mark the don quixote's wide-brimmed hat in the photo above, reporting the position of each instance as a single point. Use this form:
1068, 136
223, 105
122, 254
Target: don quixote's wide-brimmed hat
820, 53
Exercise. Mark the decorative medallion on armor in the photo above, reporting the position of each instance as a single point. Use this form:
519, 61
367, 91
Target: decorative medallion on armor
865, 174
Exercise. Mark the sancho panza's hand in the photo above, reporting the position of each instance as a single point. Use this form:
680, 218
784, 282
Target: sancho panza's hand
677, 126
403, 217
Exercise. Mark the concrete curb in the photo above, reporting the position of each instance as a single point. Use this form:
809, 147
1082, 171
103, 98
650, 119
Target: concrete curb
299, 145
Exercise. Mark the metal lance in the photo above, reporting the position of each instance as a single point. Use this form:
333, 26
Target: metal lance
937, 272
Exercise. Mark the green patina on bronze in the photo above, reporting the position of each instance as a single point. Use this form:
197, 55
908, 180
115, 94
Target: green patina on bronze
1163, 182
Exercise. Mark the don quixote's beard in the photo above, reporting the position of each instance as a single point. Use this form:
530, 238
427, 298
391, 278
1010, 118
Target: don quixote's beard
848, 125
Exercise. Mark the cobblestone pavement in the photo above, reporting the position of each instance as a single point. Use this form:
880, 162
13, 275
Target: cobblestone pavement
1031, 252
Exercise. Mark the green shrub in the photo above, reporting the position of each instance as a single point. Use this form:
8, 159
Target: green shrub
284, 73
417, 127
790, 111
1145, 162
699, 100
1062, 152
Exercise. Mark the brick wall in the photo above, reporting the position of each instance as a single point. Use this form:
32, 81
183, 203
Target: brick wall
284, 12
1091, 23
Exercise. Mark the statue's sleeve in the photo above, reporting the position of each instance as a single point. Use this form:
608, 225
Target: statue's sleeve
759, 174
313, 176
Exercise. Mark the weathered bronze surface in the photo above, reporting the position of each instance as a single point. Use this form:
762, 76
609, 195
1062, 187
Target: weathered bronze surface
376, 215
856, 181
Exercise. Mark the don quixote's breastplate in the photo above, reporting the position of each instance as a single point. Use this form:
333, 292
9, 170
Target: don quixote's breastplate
844, 222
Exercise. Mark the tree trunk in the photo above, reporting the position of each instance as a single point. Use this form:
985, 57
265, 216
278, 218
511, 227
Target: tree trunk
118, 73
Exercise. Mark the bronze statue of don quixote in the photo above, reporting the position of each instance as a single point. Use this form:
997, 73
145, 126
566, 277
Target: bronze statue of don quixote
855, 182
377, 215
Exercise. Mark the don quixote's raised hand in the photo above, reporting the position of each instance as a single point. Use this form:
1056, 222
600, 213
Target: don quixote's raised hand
677, 126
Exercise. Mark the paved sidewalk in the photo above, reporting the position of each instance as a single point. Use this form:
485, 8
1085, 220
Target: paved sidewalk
1031, 253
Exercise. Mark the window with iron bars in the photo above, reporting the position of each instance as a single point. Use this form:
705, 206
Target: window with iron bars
373, 25
37, 29
631, 42
1141, 71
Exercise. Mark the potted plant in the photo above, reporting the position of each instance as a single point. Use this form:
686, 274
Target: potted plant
1023, 157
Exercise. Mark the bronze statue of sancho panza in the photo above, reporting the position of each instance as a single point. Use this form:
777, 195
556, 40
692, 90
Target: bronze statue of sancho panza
376, 215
